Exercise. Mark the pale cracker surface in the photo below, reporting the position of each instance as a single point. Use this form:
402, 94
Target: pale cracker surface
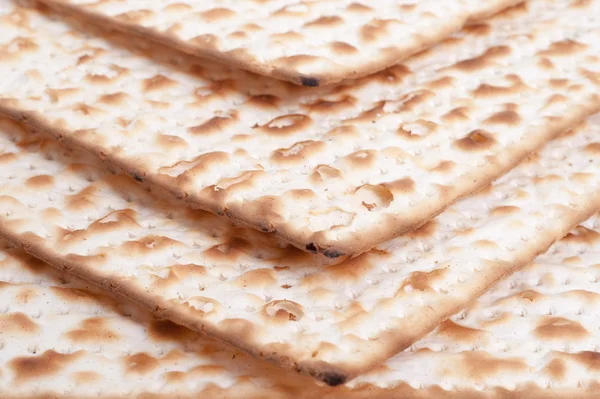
337, 170
534, 334
306, 42
272, 300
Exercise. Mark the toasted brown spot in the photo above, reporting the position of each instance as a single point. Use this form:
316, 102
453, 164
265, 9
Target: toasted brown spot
592, 149
590, 360
86, 377
350, 270
58, 94
40, 182
237, 35
169, 142
343, 48
298, 153
78, 295
252, 27
25, 295
231, 249
444, 167
516, 86
17, 322
87, 110
455, 332
98, 79
284, 310
509, 118
390, 76
92, 330
480, 366
559, 83
486, 244
483, 61
412, 100
7, 157
185, 170
479, 29
149, 244
325, 22
287, 124
157, 82
477, 140
214, 125
217, 14
401, 186
45, 365
322, 173
114, 98
504, 210
564, 48
580, 3
164, 330
140, 363
328, 107
417, 130
175, 376
376, 196
423, 281
135, 16
592, 76
582, 235
460, 114
546, 64
441, 83
264, 102
556, 369
367, 116
374, 29
425, 231
361, 159
178, 7
256, 278
287, 37
20, 45
555, 99
560, 328
358, 7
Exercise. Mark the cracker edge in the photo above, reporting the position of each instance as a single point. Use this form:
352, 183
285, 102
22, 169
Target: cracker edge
238, 60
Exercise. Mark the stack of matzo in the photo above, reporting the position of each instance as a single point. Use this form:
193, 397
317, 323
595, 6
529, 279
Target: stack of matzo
278, 239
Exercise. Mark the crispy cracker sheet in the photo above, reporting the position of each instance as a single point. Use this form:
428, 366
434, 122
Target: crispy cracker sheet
331, 321
310, 43
534, 334
334, 171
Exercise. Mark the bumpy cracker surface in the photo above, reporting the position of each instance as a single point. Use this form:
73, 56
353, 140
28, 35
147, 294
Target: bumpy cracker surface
59, 337
337, 170
307, 42
534, 334
272, 300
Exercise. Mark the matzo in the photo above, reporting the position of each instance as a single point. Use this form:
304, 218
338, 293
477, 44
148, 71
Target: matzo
534, 334
335, 171
307, 42
272, 300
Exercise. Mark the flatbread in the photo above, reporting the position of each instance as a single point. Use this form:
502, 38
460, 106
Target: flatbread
336, 171
274, 301
61, 337
534, 334
310, 43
